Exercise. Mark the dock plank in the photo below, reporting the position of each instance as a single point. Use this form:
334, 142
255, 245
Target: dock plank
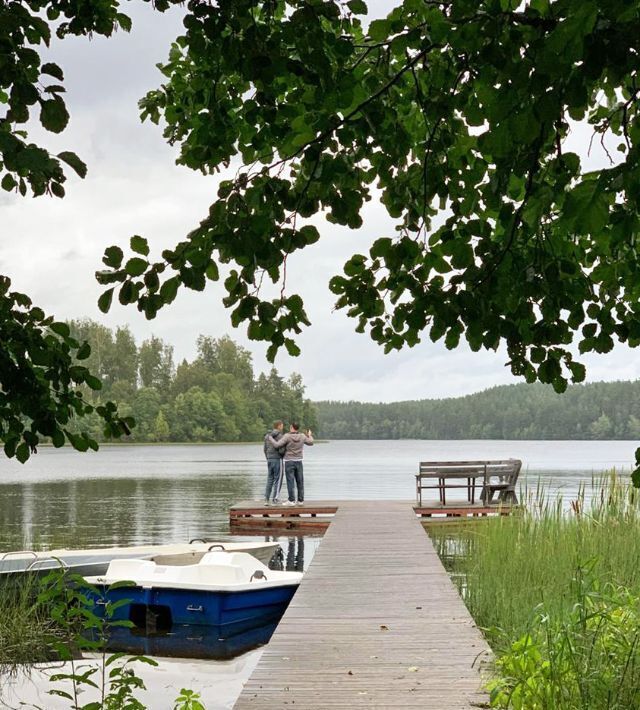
376, 623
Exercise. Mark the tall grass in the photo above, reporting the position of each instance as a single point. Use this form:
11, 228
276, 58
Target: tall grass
557, 592
25, 623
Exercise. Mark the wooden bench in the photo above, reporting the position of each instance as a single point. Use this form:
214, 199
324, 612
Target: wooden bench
497, 477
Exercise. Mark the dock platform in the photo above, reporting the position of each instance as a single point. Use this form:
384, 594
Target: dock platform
376, 623
252, 516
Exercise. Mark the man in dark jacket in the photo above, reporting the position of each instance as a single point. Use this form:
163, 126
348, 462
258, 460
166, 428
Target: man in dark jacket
274, 463
293, 444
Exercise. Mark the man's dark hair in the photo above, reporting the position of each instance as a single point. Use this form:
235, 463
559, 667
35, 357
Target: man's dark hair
295, 426
277, 423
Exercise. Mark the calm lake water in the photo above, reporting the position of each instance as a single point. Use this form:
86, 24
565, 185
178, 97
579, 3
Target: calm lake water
126, 495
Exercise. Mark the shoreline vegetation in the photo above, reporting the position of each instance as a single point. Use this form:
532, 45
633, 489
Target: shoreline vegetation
215, 398
557, 595
594, 411
218, 398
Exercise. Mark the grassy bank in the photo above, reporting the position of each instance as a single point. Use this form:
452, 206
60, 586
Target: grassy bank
557, 594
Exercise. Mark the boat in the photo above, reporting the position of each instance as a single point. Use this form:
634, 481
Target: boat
229, 590
96, 561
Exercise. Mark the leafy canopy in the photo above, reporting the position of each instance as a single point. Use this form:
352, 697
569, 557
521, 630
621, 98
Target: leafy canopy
454, 116
41, 372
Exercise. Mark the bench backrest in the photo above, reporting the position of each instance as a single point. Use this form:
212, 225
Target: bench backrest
508, 469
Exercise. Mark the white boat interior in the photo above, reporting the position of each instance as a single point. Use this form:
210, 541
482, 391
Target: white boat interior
216, 571
95, 561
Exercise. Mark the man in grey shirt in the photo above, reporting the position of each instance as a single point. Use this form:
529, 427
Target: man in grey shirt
294, 441
274, 463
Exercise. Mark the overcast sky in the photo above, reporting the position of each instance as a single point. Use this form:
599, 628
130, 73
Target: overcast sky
51, 248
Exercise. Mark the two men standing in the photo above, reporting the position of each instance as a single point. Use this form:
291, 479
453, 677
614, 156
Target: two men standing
292, 447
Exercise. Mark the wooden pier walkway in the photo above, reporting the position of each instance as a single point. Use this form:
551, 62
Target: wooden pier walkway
376, 623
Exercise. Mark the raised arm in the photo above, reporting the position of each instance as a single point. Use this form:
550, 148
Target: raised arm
282, 442
308, 438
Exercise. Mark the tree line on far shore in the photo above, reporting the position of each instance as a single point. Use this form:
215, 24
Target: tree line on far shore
600, 410
215, 397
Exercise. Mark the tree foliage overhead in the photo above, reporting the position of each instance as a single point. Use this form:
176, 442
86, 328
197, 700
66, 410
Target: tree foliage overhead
41, 377
453, 115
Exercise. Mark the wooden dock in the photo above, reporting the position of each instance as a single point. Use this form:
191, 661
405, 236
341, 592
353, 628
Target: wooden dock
376, 623
252, 516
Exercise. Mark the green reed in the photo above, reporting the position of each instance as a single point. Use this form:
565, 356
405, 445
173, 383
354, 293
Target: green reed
556, 590
25, 623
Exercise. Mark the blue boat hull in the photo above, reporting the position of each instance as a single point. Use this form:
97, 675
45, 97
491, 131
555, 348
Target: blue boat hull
232, 612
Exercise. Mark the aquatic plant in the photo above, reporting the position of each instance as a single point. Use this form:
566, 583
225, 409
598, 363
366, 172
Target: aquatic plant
556, 591
586, 658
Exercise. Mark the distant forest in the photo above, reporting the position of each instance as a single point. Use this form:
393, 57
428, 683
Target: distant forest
216, 397
601, 410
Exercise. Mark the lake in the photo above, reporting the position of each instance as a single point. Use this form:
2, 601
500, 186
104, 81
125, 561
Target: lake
126, 495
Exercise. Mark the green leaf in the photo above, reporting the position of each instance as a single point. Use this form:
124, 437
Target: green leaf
127, 293
139, 245
93, 382
136, 266
104, 302
22, 452
8, 183
379, 30
169, 289
113, 257
212, 272
291, 347
61, 329
310, 234
54, 115
57, 189
124, 21
358, 7
57, 438
72, 160
83, 351
52, 70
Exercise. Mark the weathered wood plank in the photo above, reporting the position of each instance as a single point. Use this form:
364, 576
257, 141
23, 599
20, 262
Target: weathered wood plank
376, 623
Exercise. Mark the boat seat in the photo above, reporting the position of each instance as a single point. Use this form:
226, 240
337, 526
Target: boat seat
211, 574
248, 563
215, 568
129, 569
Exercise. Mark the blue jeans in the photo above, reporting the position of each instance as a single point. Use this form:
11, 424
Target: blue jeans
274, 479
295, 479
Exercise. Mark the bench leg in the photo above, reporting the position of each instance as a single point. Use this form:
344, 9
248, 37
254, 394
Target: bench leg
508, 496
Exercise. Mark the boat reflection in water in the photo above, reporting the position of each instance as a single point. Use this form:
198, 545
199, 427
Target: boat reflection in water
190, 641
